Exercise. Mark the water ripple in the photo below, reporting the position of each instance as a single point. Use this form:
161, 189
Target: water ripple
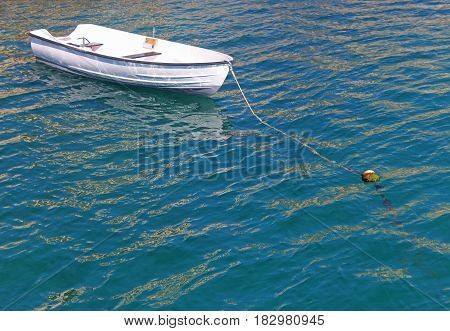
130, 198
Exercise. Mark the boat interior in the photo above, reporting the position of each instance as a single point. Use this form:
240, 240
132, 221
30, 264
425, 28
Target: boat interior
116, 43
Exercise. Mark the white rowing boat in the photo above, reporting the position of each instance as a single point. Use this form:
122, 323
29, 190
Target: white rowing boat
114, 55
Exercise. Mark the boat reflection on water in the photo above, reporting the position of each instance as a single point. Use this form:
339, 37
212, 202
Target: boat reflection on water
137, 109
171, 113
160, 134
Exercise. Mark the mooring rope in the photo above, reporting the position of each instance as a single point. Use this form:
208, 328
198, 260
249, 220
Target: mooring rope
311, 149
386, 202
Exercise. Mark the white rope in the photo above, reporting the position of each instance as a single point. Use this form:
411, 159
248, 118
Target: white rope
311, 149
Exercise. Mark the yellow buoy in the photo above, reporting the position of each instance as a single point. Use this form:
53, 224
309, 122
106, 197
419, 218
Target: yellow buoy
370, 176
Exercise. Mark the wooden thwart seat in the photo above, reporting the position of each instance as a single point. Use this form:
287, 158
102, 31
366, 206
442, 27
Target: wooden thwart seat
137, 56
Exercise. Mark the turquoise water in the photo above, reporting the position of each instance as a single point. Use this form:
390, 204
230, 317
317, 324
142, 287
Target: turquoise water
122, 198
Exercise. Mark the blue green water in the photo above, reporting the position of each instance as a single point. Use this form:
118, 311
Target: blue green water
122, 198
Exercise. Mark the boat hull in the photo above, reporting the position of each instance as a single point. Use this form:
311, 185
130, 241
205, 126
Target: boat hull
202, 79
